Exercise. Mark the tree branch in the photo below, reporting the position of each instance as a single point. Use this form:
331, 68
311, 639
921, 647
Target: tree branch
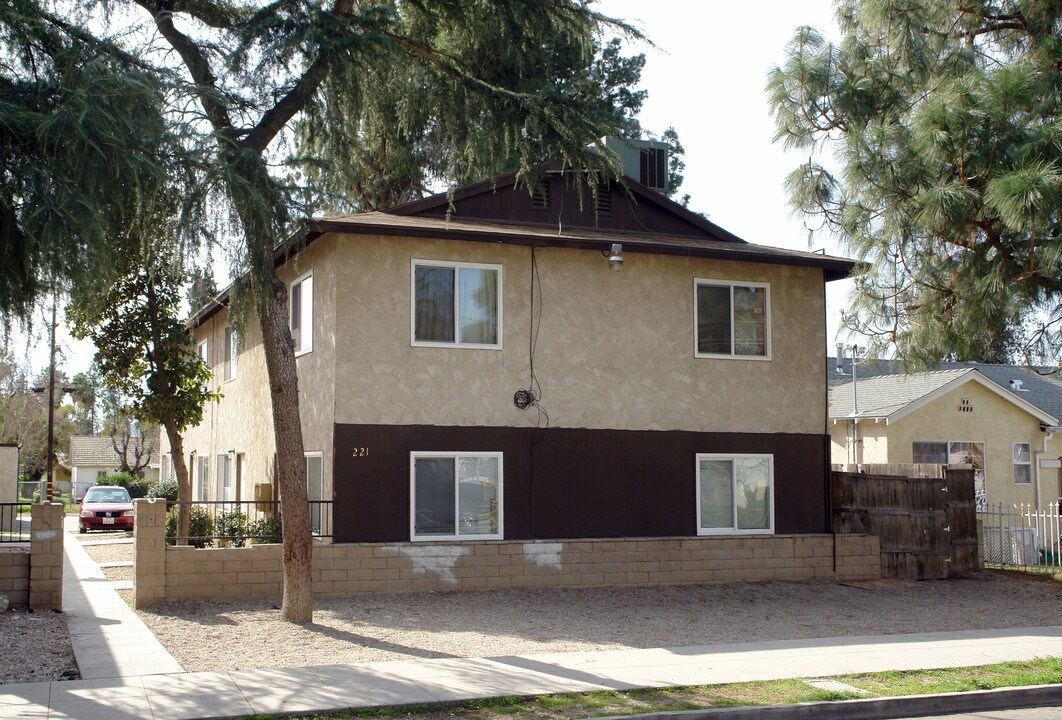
274, 119
198, 67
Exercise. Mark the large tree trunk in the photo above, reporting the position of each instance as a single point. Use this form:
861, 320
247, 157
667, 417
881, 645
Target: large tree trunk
184, 480
297, 606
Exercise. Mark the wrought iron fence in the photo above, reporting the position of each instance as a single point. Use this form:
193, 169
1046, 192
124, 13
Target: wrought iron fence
241, 523
14, 522
1021, 536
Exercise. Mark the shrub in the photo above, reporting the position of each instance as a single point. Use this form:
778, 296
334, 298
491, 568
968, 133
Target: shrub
231, 527
200, 526
136, 486
166, 489
267, 530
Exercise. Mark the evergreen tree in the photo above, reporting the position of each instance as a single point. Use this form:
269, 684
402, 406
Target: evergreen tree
943, 118
509, 75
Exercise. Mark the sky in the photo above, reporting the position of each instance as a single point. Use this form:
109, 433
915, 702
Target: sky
706, 78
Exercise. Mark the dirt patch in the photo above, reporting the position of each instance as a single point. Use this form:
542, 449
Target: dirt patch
229, 636
36, 647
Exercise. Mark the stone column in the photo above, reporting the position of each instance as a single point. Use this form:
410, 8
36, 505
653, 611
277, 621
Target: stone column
149, 552
46, 557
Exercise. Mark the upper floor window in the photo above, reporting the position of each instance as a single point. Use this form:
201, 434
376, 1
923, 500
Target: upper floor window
456, 304
229, 351
732, 319
202, 349
301, 305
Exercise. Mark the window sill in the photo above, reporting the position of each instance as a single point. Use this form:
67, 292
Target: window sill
757, 358
733, 533
300, 353
460, 346
452, 539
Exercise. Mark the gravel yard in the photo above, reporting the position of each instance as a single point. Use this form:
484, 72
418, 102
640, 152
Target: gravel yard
229, 636
36, 647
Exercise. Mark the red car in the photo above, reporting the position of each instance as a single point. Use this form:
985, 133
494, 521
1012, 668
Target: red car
106, 507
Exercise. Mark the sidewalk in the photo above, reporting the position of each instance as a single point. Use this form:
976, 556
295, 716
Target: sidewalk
127, 674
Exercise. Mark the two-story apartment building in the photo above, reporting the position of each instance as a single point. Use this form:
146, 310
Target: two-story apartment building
499, 364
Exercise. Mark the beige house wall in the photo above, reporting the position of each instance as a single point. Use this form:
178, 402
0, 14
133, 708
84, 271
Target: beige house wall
994, 421
615, 350
872, 445
8, 473
242, 422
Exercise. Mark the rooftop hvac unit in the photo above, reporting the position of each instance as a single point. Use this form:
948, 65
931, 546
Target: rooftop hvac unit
643, 160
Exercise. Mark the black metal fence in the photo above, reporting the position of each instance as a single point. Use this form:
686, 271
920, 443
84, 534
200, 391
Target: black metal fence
14, 522
242, 523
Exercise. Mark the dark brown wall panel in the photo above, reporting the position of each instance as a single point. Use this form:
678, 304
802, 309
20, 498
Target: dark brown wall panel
570, 483
627, 213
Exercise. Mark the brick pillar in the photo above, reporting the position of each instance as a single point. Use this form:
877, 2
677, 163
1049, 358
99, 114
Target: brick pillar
149, 552
46, 557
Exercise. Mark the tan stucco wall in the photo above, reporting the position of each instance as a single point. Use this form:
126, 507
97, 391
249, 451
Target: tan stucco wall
8, 473
243, 420
615, 349
994, 421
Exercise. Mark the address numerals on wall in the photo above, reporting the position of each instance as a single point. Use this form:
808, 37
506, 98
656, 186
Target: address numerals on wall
361, 451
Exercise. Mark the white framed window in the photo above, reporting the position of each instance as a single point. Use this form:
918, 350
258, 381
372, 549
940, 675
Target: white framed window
202, 349
455, 304
732, 319
203, 473
225, 490
300, 306
164, 468
455, 495
315, 488
1022, 463
229, 352
956, 452
735, 494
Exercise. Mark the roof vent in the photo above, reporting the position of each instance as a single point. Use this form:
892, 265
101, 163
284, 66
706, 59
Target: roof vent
1016, 386
540, 196
643, 160
603, 199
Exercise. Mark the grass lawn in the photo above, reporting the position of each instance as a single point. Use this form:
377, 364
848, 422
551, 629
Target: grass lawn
775, 692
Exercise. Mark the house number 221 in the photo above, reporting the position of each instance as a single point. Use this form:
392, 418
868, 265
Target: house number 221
361, 451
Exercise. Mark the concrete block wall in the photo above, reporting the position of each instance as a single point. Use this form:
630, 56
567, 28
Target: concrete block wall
340, 570
46, 557
14, 574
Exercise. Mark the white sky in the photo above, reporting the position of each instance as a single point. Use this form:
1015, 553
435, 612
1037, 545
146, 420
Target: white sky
706, 78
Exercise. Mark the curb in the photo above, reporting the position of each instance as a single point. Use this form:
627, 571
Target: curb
876, 708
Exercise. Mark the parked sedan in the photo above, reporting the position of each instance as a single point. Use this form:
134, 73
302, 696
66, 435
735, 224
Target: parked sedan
106, 508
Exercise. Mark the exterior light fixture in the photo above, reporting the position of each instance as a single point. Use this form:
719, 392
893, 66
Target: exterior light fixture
615, 260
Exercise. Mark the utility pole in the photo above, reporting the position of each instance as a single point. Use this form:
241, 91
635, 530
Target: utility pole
51, 403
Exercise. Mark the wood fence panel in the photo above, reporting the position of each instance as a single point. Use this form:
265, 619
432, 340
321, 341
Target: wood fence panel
925, 523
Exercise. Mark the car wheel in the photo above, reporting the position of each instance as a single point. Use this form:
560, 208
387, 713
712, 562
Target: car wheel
81, 529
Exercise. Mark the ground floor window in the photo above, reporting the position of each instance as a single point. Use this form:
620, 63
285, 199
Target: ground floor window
455, 495
735, 494
1022, 463
203, 473
955, 452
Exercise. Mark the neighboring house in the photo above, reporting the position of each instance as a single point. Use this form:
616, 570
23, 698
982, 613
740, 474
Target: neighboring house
92, 456
472, 367
1003, 419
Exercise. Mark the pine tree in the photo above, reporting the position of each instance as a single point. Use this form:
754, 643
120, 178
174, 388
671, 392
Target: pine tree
943, 119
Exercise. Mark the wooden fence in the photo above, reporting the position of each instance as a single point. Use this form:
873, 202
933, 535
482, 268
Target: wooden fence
923, 515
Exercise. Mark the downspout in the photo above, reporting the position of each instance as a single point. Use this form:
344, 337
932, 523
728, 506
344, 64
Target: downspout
1048, 434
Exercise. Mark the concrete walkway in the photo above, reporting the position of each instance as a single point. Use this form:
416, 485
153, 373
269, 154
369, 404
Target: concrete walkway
128, 675
109, 640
